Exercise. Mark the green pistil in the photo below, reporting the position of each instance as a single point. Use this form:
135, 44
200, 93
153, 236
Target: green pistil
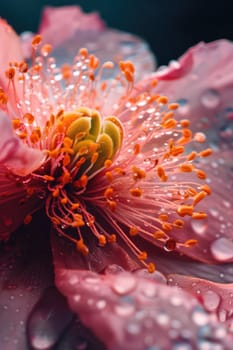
93, 139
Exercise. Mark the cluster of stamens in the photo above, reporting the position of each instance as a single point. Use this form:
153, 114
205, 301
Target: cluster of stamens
136, 180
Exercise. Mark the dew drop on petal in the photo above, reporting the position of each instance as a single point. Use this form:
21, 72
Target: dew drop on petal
211, 300
183, 106
222, 249
124, 285
124, 309
200, 317
199, 227
210, 98
47, 321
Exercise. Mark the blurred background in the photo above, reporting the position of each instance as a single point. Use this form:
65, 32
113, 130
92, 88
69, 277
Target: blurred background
169, 26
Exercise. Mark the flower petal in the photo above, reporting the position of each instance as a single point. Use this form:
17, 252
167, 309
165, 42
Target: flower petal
216, 297
201, 81
127, 312
22, 281
59, 24
15, 155
10, 49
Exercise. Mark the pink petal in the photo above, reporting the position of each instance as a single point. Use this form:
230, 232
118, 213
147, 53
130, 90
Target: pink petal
15, 155
131, 312
15, 204
98, 259
214, 234
10, 49
22, 281
202, 82
216, 297
59, 24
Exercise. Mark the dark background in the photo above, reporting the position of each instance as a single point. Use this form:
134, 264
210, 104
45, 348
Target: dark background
169, 26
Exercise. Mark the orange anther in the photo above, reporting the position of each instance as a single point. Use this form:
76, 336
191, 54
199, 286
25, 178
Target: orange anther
16, 123
55, 192
64, 200
167, 116
199, 216
159, 235
178, 223
48, 178
30, 118
206, 189
205, 153
27, 219
137, 148
163, 217
81, 247
162, 99
10, 73
108, 193
187, 133
173, 106
177, 150
185, 123
133, 231
136, 192
46, 49
198, 197
36, 40
112, 238
128, 76
75, 206
83, 52
23, 67
112, 205
94, 157
192, 156
154, 83
107, 163
169, 124
161, 174
191, 242
109, 176
142, 256
102, 240
191, 191
186, 167
201, 174
166, 226
183, 210
138, 173
151, 267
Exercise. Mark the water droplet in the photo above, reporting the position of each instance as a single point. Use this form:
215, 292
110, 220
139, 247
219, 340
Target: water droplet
211, 300
170, 245
184, 106
48, 319
133, 327
222, 249
124, 284
181, 346
124, 309
200, 317
199, 227
162, 318
113, 269
155, 276
210, 98
101, 304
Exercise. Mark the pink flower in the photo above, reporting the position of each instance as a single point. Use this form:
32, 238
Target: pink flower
99, 162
